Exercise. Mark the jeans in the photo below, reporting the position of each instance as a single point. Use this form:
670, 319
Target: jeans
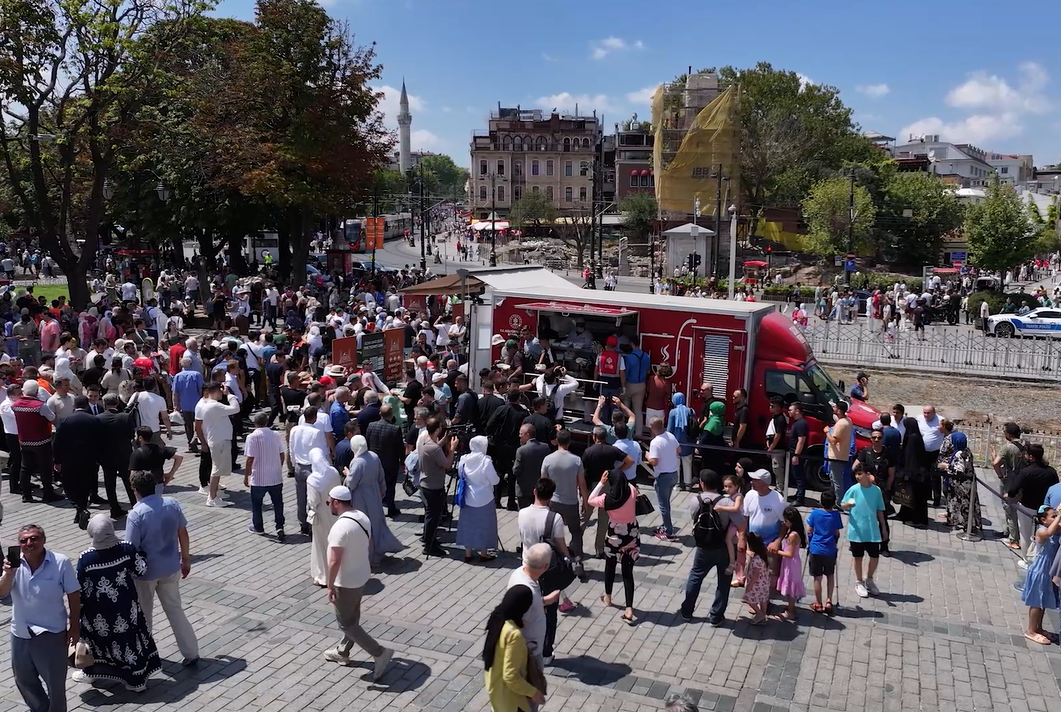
635, 400
434, 504
1012, 528
276, 496
169, 596
42, 657
703, 561
302, 473
837, 470
664, 485
799, 474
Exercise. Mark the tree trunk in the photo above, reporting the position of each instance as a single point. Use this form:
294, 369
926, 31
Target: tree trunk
77, 281
300, 245
236, 261
284, 238
178, 249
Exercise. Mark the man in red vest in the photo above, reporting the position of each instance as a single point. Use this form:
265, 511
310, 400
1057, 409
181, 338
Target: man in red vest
610, 364
34, 419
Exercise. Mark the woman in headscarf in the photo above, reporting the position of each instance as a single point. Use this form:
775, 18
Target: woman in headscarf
319, 483
112, 622
957, 467
913, 470
367, 484
105, 328
711, 434
678, 425
617, 496
63, 370
477, 526
506, 655
86, 328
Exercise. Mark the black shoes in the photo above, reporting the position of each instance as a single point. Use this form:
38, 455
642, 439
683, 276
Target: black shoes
435, 550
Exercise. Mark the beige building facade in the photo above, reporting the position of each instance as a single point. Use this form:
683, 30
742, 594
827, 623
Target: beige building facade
524, 151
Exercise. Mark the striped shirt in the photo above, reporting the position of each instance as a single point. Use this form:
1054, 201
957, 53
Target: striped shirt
266, 446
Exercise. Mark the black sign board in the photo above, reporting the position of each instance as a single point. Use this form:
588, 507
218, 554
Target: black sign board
370, 355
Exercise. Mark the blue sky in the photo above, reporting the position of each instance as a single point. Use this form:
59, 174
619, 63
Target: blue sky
973, 71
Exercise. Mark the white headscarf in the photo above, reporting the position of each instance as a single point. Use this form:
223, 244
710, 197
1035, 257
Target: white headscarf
359, 445
477, 463
63, 370
314, 339
322, 475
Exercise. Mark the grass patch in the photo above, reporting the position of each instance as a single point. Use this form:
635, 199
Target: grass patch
48, 291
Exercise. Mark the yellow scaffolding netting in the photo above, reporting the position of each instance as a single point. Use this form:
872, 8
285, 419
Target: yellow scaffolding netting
687, 158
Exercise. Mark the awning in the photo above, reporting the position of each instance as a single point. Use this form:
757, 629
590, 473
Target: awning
447, 284
584, 309
487, 225
644, 171
634, 172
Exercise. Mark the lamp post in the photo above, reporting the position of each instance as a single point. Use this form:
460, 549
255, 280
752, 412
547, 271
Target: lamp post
694, 233
423, 239
732, 250
717, 240
493, 220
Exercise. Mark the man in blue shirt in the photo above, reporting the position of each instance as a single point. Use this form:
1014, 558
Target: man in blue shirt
627, 445
41, 627
634, 378
338, 414
188, 388
157, 527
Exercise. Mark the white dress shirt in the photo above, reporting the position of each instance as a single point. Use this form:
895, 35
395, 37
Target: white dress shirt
217, 428
303, 439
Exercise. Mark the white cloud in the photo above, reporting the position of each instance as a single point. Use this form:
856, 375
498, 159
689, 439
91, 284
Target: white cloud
642, 96
446, 110
989, 91
977, 129
548, 57
565, 102
389, 104
424, 140
873, 90
804, 80
602, 48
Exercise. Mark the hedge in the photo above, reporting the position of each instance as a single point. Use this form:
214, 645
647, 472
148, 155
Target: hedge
783, 293
995, 301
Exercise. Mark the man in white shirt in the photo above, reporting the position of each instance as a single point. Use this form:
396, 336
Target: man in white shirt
152, 410
933, 437
663, 452
213, 427
303, 439
264, 474
349, 542
322, 421
129, 292
555, 388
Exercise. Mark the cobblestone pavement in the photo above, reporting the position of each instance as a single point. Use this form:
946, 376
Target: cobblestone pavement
946, 632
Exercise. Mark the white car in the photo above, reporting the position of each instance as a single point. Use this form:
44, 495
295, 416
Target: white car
1044, 322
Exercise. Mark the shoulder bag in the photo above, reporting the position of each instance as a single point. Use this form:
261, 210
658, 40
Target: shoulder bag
560, 573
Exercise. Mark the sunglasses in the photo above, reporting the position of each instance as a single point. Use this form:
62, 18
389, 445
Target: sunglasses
29, 539
876, 438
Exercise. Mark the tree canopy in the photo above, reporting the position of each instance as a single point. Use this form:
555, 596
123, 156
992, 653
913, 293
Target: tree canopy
915, 212
828, 214
532, 209
1000, 230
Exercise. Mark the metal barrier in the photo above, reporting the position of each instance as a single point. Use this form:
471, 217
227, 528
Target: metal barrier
943, 351
986, 438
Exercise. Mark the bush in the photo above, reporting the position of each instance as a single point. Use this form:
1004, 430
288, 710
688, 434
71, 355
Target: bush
995, 301
784, 292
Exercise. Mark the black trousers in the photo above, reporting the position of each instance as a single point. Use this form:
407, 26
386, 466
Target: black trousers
81, 482
14, 461
36, 460
391, 480
206, 463
434, 505
113, 472
626, 565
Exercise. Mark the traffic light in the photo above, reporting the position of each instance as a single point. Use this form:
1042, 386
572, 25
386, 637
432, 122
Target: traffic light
769, 250
694, 261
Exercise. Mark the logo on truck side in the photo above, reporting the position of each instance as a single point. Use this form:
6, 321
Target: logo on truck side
515, 322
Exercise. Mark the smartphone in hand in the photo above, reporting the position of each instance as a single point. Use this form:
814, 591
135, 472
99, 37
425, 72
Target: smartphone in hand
13, 556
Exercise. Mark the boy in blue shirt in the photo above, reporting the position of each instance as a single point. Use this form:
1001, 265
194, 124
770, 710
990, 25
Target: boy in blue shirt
823, 533
865, 505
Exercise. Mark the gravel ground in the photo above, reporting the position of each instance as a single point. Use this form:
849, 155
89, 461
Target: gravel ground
1035, 406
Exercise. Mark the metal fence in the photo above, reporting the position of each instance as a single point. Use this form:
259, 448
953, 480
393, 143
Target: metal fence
942, 350
985, 439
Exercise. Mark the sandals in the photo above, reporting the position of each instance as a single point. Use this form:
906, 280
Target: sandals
606, 600
487, 557
1038, 638
828, 608
629, 620
817, 607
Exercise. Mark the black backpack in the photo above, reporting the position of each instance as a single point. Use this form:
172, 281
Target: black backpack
708, 532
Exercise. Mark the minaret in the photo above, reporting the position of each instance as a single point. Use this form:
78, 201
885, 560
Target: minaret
405, 122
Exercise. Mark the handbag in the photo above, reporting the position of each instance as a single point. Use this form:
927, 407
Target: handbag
460, 494
79, 656
903, 494
560, 573
643, 505
535, 674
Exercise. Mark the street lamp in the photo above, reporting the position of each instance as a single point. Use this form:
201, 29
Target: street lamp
108, 189
493, 218
163, 191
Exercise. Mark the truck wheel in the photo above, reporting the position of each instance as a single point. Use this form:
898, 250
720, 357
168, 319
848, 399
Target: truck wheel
817, 477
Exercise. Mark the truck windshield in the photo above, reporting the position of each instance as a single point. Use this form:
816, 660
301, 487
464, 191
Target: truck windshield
824, 384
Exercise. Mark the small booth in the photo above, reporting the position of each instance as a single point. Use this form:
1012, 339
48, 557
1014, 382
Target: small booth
755, 271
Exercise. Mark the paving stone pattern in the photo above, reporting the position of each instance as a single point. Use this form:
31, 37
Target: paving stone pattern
946, 632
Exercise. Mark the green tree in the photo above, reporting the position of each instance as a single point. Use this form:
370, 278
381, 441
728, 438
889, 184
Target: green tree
71, 75
640, 214
793, 134
915, 212
450, 177
828, 216
999, 230
533, 209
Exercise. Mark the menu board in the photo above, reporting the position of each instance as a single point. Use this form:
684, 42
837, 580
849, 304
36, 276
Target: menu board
371, 354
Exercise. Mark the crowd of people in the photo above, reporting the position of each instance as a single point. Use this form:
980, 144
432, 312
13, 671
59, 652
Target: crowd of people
263, 385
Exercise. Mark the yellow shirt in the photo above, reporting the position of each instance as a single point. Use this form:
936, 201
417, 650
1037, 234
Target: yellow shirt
506, 680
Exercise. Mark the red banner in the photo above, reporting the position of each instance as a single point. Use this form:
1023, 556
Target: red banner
344, 352
374, 232
393, 355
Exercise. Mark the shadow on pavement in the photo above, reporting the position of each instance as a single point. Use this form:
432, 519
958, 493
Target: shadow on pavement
177, 684
589, 671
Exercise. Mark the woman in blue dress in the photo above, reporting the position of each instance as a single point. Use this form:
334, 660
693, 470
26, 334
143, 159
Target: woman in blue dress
1040, 591
112, 622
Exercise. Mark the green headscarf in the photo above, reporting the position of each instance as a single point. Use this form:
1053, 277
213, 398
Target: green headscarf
714, 421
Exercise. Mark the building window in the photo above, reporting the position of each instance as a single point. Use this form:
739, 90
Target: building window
1005, 170
548, 168
535, 167
549, 193
633, 181
535, 189
482, 167
644, 181
517, 168
583, 168
567, 145
501, 193
501, 168
582, 194
540, 143
506, 143
568, 194
567, 168
517, 192
482, 192
518, 146
585, 143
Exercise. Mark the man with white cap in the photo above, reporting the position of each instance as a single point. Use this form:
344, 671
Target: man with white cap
763, 510
349, 542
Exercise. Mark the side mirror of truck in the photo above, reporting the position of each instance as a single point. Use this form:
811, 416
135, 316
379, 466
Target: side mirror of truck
842, 386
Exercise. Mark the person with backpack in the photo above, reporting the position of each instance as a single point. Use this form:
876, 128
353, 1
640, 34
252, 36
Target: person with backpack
710, 527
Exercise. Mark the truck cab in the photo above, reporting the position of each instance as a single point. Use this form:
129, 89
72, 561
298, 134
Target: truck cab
785, 366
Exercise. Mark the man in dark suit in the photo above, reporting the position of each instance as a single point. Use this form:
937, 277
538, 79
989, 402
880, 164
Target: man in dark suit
544, 426
384, 438
115, 448
527, 469
503, 429
77, 440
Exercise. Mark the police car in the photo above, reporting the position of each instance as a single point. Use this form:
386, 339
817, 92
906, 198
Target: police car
1044, 322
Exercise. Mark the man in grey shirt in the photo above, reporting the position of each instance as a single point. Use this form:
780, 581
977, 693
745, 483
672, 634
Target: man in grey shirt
565, 469
435, 459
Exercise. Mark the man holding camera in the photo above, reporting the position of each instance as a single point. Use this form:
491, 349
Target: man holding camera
436, 453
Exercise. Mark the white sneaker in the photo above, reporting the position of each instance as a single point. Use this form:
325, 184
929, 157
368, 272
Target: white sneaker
82, 677
871, 586
336, 656
1022, 564
860, 590
204, 490
379, 665
217, 502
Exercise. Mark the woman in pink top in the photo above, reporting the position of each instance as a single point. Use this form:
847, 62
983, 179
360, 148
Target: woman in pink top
617, 496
